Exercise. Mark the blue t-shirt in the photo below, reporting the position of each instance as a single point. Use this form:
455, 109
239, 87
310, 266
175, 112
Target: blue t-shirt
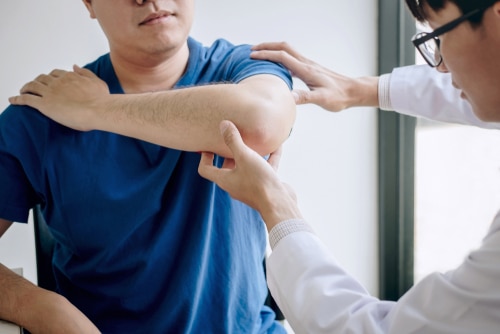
144, 244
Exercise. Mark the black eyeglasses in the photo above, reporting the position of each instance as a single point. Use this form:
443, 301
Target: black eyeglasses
428, 43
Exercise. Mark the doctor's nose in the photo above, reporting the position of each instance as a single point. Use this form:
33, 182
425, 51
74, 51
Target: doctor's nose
442, 67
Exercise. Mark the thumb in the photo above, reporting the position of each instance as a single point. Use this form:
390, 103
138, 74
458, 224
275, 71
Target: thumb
301, 96
232, 137
275, 157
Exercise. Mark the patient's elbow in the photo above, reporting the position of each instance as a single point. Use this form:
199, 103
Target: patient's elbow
272, 125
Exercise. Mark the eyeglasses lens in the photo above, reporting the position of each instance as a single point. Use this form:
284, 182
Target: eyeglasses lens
430, 50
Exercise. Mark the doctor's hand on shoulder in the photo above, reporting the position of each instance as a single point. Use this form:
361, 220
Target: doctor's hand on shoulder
327, 89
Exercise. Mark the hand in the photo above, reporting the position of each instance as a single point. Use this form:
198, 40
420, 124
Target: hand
251, 179
327, 89
66, 97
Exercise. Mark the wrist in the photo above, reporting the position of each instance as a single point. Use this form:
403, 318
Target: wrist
279, 207
364, 92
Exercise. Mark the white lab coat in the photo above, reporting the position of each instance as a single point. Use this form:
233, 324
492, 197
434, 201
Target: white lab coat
317, 296
424, 92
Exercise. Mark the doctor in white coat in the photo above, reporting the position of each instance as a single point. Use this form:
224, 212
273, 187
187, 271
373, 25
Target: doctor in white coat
315, 294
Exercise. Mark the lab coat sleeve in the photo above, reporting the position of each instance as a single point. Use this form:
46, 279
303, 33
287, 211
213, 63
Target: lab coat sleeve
317, 296
422, 91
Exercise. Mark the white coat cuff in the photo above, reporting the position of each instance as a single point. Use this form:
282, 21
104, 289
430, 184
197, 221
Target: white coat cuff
285, 228
384, 96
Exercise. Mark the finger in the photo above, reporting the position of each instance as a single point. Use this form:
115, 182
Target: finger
232, 138
84, 72
207, 170
206, 165
34, 87
275, 158
44, 79
282, 47
277, 56
228, 163
57, 73
277, 46
298, 67
302, 96
26, 99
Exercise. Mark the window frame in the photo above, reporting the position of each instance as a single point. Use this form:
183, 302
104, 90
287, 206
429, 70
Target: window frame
396, 159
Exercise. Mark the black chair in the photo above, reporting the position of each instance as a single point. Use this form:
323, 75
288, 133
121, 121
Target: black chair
271, 302
44, 245
44, 248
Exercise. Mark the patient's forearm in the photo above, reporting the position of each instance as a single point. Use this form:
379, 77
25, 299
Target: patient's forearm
37, 309
188, 119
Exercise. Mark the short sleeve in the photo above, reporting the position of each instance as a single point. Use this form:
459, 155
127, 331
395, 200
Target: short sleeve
18, 156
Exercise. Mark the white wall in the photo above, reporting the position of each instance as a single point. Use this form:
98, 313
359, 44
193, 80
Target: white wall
330, 159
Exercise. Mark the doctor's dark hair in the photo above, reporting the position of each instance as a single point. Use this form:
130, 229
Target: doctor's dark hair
416, 7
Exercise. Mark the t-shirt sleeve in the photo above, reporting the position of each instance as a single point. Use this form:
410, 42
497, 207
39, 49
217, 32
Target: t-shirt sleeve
240, 66
17, 195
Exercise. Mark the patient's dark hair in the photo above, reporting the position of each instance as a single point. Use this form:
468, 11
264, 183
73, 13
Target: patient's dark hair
416, 7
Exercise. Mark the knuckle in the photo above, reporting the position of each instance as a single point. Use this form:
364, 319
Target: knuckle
282, 54
56, 72
282, 44
27, 86
305, 96
228, 136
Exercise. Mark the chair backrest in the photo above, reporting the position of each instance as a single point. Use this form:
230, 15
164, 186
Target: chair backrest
44, 245
271, 302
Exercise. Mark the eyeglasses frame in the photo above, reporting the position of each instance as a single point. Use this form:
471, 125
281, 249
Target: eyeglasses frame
422, 37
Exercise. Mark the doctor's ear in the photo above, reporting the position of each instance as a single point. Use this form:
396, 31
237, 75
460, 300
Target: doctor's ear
496, 8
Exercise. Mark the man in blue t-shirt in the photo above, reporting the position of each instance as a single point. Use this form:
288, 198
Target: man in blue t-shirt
143, 243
